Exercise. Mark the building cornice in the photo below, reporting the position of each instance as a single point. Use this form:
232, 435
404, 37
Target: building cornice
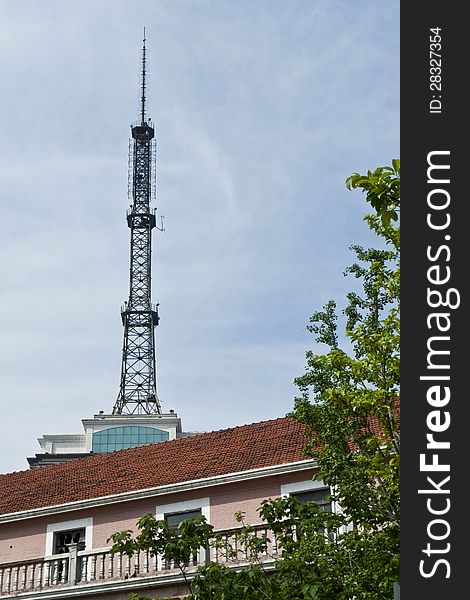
160, 490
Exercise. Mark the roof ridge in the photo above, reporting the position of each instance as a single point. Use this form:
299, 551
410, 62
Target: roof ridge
116, 453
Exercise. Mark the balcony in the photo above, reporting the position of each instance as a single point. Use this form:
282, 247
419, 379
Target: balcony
98, 572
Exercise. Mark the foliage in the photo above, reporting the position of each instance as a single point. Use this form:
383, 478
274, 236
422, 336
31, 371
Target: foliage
349, 404
349, 400
175, 546
382, 187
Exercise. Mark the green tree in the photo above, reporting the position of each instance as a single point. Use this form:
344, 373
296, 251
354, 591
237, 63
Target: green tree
349, 399
349, 403
175, 546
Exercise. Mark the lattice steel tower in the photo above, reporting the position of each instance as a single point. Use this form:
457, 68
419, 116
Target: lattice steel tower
138, 388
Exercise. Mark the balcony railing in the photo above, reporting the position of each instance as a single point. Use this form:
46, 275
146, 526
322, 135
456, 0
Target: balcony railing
82, 567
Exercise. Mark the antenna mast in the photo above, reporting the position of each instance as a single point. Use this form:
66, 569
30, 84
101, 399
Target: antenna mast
138, 388
144, 65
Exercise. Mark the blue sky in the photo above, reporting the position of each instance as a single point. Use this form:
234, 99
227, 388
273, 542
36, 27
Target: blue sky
262, 110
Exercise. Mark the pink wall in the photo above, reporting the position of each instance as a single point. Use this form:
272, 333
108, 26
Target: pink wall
247, 496
22, 540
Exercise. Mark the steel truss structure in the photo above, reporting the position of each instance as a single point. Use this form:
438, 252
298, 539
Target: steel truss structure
138, 387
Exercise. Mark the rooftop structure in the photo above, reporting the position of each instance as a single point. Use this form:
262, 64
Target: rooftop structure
106, 433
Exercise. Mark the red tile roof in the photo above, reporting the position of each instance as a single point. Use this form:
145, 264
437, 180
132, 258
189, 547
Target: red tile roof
243, 448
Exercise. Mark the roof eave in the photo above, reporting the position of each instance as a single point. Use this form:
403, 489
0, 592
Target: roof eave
161, 490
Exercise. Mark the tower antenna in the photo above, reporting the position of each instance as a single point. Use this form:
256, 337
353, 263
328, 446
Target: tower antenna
144, 60
138, 387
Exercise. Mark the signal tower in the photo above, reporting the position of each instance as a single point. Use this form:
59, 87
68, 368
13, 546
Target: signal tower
137, 417
138, 387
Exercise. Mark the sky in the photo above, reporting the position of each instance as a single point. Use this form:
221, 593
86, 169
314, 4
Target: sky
262, 110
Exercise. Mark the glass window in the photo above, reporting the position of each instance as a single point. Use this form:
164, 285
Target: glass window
63, 538
174, 519
320, 497
118, 438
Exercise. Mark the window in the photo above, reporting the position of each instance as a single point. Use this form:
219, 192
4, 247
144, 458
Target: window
118, 438
321, 497
174, 519
58, 535
318, 492
306, 491
62, 539
310, 491
180, 511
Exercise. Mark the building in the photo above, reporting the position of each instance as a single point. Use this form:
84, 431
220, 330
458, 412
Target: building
55, 521
105, 433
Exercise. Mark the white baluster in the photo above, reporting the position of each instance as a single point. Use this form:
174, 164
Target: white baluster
102, 555
8, 583
32, 580
41, 572
93, 567
84, 568
137, 563
55, 572
236, 548
110, 565
15, 579
65, 571
146, 562
25, 576
275, 546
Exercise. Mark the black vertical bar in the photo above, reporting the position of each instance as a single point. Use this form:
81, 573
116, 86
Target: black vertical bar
435, 324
